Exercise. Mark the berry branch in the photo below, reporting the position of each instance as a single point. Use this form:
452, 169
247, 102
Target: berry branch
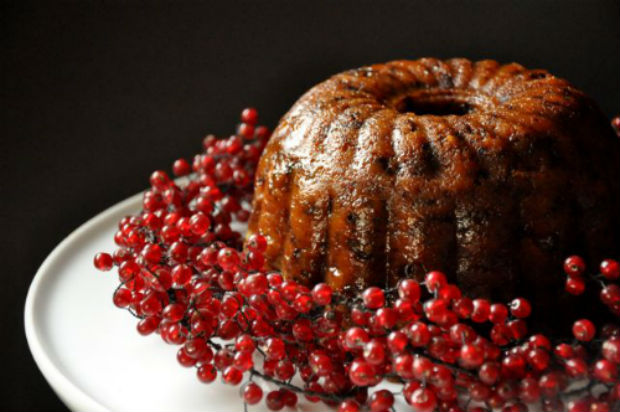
186, 275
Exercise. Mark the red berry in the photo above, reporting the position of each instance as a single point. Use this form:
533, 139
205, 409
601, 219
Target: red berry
362, 373
322, 294
538, 359
356, 337
463, 307
206, 373
605, 371
285, 370
241, 179
584, 330
564, 351
199, 223
610, 269
574, 266
381, 400
385, 318
404, 310
223, 171
302, 330
243, 361
257, 243
246, 131
174, 312
289, 398
122, 297
274, 400
373, 298
184, 359
518, 328
479, 392
551, 383
498, 313
249, 115
234, 144
256, 283
150, 305
359, 316
514, 365
252, 393
436, 310
178, 251
611, 349
320, 363
374, 352
489, 372
206, 164
148, 325
223, 358
274, 348
419, 334
349, 405
397, 341
422, 367
576, 367
262, 132
481, 310
244, 343
181, 167
520, 308
575, 286
471, 356
274, 279
423, 400
435, 280
450, 292
196, 348
529, 391
159, 180
103, 261
228, 259
152, 253
302, 303
181, 274
540, 341
610, 294
409, 289
403, 366
232, 376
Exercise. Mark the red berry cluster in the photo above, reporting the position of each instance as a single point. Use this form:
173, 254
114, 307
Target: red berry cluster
185, 275
609, 272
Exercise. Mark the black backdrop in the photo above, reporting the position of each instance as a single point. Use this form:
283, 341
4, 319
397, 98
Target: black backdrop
97, 95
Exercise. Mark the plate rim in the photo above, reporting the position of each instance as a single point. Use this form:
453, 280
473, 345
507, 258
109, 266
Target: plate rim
70, 393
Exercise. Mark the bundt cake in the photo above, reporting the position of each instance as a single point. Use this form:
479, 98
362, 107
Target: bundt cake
492, 173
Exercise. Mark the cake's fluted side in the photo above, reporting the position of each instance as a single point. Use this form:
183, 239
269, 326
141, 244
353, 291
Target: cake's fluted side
356, 188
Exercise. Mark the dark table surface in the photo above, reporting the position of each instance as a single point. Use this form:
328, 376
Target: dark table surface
95, 95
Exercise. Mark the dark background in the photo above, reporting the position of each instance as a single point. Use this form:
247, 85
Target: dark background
97, 95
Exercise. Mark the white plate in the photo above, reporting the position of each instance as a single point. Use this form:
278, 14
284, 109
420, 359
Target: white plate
90, 352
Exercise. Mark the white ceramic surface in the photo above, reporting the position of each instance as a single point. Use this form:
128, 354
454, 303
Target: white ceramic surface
89, 351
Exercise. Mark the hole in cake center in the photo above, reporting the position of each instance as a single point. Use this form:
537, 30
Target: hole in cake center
435, 102
436, 108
